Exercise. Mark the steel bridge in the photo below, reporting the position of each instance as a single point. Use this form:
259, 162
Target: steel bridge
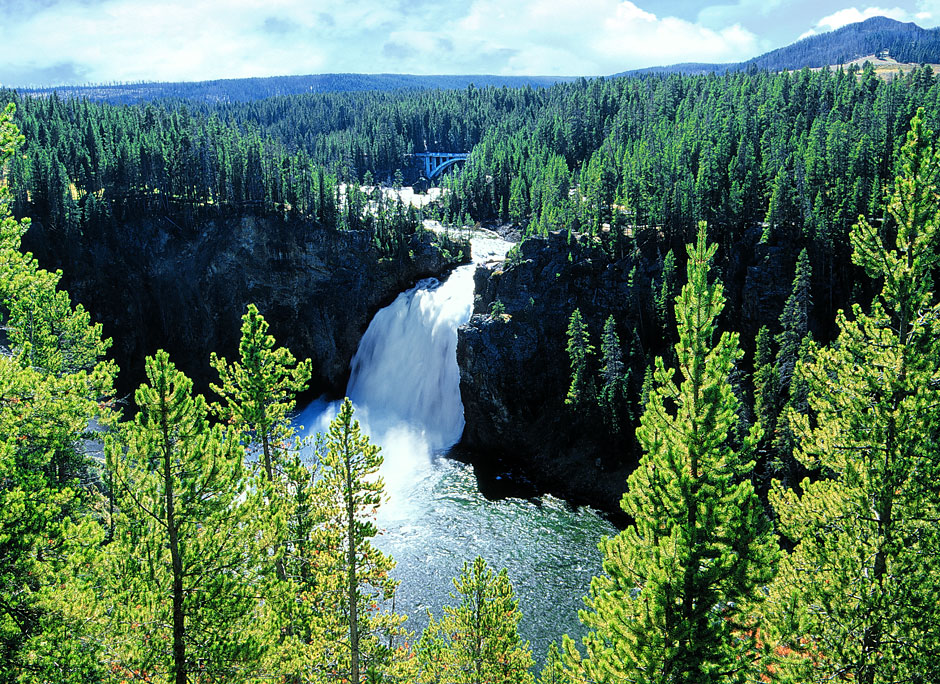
435, 163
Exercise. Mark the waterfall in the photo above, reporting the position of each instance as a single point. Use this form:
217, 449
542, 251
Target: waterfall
405, 369
404, 382
405, 385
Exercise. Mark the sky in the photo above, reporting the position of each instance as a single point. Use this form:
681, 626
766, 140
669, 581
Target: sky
66, 42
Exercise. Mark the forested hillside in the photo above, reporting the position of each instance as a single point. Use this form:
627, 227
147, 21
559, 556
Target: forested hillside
904, 41
725, 306
248, 89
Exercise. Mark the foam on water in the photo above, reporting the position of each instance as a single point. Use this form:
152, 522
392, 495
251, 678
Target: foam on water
404, 381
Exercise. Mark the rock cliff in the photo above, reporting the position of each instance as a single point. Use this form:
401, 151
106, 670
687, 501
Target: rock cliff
514, 370
514, 367
154, 286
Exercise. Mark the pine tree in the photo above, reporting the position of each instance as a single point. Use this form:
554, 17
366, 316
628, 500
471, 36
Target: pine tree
766, 382
785, 439
182, 563
564, 665
580, 350
794, 320
672, 604
53, 383
613, 393
349, 464
477, 641
258, 392
663, 299
857, 598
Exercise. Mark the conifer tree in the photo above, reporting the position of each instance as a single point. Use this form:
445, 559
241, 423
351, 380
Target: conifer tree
766, 382
785, 439
182, 563
794, 320
53, 382
671, 605
564, 665
477, 641
259, 392
663, 299
857, 598
580, 350
352, 492
613, 392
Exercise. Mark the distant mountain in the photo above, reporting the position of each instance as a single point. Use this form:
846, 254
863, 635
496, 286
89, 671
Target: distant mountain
904, 41
247, 89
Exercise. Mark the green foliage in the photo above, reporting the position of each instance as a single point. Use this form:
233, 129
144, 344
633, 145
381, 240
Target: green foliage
673, 603
186, 541
53, 384
614, 377
794, 320
259, 390
665, 297
766, 382
352, 492
476, 641
581, 392
857, 596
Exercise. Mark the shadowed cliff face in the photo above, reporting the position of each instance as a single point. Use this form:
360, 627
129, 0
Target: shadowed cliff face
514, 370
514, 367
155, 286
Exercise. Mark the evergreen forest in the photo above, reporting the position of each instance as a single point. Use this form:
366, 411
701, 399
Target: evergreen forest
780, 522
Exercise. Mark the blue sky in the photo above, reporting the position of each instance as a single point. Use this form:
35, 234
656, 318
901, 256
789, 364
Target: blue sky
46, 42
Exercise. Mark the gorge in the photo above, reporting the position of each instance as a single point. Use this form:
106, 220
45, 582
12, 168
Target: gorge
405, 386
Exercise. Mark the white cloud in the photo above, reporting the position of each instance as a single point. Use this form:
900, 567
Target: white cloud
126, 40
852, 15
599, 36
928, 14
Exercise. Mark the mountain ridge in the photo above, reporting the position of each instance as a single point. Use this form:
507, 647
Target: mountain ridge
906, 42
255, 88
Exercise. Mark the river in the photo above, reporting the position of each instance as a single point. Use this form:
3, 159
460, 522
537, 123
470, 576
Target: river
405, 386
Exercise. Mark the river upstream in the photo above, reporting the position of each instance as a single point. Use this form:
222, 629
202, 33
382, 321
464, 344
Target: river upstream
405, 386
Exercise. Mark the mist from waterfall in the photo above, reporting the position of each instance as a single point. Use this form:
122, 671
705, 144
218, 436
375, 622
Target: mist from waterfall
404, 381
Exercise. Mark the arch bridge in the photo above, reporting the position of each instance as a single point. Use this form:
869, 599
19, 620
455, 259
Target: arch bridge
435, 163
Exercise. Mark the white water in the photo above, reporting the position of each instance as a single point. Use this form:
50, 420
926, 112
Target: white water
405, 383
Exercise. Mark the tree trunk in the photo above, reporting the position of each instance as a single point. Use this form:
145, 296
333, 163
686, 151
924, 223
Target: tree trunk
351, 562
179, 644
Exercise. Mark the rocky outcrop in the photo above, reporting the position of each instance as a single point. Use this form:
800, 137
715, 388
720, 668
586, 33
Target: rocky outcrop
514, 371
514, 367
154, 286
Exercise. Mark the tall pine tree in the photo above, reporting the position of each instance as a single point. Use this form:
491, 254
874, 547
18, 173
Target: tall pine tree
857, 598
182, 564
580, 351
53, 383
476, 641
353, 491
671, 605
258, 393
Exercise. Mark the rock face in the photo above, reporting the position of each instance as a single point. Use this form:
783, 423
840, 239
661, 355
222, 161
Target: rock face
514, 367
153, 286
514, 371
